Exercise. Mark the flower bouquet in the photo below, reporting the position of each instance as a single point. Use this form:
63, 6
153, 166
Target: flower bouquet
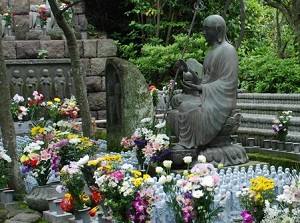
39, 157
73, 146
53, 110
120, 189
36, 108
73, 183
286, 206
253, 198
18, 109
148, 144
44, 13
69, 108
4, 159
281, 125
191, 196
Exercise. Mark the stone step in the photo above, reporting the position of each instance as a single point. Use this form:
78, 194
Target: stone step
266, 121
268, 109
268, 98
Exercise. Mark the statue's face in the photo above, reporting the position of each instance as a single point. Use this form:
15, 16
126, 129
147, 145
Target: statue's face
210, 32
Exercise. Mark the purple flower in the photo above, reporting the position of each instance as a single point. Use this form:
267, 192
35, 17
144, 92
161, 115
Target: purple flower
140, 143
61, 143
25, 170
246, 215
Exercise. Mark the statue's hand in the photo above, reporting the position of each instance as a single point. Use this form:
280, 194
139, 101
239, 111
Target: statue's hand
182, 65
190, 86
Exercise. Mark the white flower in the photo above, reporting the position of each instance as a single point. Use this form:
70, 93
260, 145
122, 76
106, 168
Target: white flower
127, 167
159, 170
5, 157
201, 159
74, 141
161, 125
145, 120
167, 163
207, 181
60, 188
187, 159
149, 181
162, 180
84, 160
169, 178
197, 193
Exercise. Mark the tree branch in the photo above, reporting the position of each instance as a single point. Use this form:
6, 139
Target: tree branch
281, 7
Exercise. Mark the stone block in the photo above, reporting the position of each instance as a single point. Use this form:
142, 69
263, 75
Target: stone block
98, 66
27, 49
94, 84
9, 50
20, 7
106, 48
86, 66
53, 217
21, 26
97, 101
55, 48
80, 48
89, 48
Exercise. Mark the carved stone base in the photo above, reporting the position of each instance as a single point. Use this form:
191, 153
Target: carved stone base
228, 155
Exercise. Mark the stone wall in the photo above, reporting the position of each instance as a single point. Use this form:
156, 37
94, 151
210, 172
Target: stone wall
22, 55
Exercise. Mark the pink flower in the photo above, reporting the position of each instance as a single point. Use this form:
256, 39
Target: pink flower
118, 175
246, 215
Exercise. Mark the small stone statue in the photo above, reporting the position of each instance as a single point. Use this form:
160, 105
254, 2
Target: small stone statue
17, 83
31, 83
46, 84
60, 84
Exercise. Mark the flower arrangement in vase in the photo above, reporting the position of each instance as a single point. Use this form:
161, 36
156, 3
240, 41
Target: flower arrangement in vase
122, 194
38, 157
253, 199
72, 182
285, 208
191, 196
44, 13
147, 142
281, 125
18, 110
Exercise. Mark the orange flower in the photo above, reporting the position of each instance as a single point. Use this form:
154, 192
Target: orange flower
93, 211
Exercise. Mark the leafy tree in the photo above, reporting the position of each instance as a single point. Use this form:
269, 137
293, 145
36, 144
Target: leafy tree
290, 10
77, 70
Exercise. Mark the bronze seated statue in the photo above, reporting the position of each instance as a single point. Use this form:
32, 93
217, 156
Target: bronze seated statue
204, 115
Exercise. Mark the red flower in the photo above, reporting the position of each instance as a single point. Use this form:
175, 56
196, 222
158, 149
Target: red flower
96, 197
34, 162
31, 103
67, 203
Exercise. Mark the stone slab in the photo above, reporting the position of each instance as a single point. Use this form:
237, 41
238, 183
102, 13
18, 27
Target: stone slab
53, 217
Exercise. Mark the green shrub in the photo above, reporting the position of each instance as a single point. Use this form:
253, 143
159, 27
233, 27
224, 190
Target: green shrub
265, 73
275, 161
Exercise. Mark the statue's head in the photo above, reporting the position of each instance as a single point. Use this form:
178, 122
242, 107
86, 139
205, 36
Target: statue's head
214, 29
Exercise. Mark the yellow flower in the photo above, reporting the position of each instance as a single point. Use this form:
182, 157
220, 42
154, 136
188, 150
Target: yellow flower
34, 130
24, 158
56, 99
93, 162
42, 130
136, 173
49, 103
146, 176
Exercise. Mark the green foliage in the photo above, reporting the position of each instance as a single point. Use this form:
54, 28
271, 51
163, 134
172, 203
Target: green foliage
267, 73
157, 62
4, 178
42, 54
101, 134
275, 161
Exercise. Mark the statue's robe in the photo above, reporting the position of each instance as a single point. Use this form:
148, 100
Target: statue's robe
197, 120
